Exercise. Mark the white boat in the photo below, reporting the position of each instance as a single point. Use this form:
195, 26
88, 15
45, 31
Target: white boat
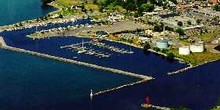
82, 49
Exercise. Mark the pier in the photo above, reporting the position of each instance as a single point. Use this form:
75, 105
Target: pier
111, 48
84, 50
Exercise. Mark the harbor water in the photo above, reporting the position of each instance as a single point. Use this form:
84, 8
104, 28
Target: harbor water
13, 11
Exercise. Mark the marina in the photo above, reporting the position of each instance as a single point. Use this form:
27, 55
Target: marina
80, 48
55, 46
83, 57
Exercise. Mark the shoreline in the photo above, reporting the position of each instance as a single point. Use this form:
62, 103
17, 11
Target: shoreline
189, 65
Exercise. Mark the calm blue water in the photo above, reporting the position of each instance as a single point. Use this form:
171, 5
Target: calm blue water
28, 82
32, 83
13, 11
138, 62
197, 89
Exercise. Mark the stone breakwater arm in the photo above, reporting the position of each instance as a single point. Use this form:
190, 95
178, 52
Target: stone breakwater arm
143, 77
2, 42
119, 87
147, 106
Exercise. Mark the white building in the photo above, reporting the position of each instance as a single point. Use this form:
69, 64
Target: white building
185, 50
197, 48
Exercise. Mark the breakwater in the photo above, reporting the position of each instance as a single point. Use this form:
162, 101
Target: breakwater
79, 63
190, 67
142, 77
146, 106
119, 87
2, 42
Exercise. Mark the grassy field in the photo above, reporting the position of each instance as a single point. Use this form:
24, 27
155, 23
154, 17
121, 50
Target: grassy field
198, 58
210, 35
68, 3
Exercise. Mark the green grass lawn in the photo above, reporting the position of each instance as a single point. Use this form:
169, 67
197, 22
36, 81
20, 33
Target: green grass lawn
68, 3
197, 58
208, 36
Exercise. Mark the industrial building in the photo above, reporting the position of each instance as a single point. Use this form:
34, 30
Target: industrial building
197, 48
185, 50
162, 44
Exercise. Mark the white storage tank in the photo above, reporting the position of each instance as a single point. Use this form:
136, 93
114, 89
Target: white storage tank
197, 48
162, 44
184, 50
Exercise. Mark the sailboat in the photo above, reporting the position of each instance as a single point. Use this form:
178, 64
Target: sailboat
82, 49
130, 51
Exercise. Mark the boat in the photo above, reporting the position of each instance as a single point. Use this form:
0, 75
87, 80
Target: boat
75, 57
130, 52
82, 49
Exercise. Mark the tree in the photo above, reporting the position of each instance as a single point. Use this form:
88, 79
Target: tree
158, 28
60, 16
156, 49
189, 22
170, 55
174, 1
180, 23
180, 31
146, 7
198, 21
217, 7
146, 47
